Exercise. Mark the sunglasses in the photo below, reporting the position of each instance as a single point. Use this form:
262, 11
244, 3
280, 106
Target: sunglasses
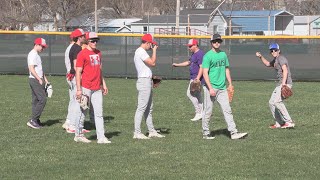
94, 41
190, 46
216, 41
274, 50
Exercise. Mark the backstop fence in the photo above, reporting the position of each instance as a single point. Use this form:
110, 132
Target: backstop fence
118, 51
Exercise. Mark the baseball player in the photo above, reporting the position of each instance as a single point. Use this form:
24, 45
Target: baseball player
90, 82
143, 62
195, 63
78, 37
215, 72
37, 81
277, 107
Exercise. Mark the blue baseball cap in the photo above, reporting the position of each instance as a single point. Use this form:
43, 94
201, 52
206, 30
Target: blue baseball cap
274, 46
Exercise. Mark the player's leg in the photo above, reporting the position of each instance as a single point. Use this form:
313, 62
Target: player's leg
144, 92
283, 112
207, 112
223, 100
79, 119
275, 111
195, 98
97, 104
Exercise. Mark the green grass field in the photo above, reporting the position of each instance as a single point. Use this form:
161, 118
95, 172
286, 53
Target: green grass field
51, 153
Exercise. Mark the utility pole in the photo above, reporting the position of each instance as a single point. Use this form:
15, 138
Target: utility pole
95, 16
177, 15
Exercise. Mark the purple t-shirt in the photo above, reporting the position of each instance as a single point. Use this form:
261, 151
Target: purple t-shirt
195, 62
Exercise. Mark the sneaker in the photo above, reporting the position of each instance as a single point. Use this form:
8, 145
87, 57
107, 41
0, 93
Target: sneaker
69, 130
275, 126
197, 117
33, 124
288, 125
139, 136
81, 139
238, 135
65, 125
208, 136
155, 134
39, 122
103, 141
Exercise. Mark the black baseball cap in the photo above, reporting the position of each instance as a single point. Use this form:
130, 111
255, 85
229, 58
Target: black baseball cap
216, 37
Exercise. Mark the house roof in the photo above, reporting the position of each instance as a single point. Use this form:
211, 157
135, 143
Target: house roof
255, 21
171, 19
263, 13
304, 19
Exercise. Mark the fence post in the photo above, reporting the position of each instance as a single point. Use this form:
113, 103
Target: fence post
49, 53
126, 55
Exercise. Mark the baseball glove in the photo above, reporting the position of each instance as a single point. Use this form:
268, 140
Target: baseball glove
156, 81
286, 92
195, 86
230, 93
49, 90
84, 101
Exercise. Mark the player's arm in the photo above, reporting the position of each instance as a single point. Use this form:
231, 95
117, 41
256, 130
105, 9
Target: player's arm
103, 83
264, 60
34, 74
45, 78
228, 76
284, 74
185, 63
200, 72
78, 81
152, 61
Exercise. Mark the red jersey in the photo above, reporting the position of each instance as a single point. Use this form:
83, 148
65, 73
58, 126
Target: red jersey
90, 61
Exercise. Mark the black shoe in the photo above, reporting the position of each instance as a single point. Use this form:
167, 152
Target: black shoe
33, 124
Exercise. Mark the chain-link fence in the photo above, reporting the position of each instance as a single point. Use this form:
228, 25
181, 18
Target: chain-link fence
118, 53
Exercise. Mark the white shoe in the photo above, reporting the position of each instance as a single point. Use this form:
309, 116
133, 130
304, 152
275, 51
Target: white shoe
65, 124
209, 137
155, 134
103, 141
197, 117
139, 136
238, 135
81, 139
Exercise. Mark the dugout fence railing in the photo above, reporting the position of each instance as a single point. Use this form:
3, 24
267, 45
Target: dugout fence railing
303, 53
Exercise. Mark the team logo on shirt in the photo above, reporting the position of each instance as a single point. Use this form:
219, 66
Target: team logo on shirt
95, 60
219, 63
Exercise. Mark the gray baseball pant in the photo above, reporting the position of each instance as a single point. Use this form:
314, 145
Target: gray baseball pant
277, 107
72, 102
95, 97
223, 100
39, 98
195, 98
145, 104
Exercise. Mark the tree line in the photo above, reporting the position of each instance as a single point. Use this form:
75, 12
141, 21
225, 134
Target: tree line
17, 14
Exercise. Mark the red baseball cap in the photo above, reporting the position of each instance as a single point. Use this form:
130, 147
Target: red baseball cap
76, 33
41, 41
148, 38
192, 42
91, 35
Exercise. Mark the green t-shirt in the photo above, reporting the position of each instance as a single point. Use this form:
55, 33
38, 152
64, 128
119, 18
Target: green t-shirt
216, 63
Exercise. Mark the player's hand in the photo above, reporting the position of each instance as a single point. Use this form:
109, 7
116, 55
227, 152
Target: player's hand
258, 54
40, 81
212, 93
105, 90
78, 94
174, 64
155, 47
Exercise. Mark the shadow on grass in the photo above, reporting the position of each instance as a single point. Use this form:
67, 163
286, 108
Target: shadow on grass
219, 132
109, 135
163, 130
51, 122
108, 118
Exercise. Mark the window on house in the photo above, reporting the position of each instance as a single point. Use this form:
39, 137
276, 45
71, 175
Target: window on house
145, 28
215, 29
